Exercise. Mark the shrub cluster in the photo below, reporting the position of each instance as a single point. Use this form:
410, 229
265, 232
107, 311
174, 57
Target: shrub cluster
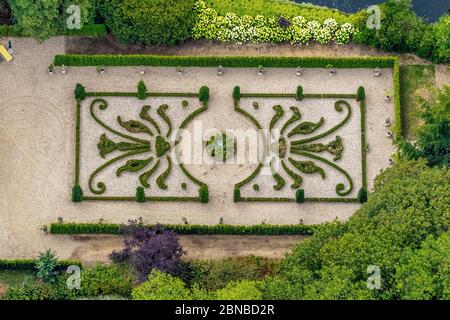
45, 18
403, 31
156, 22
299, 93
203, 94
142, 90
204, 194
30, 264
81, 60
77, 194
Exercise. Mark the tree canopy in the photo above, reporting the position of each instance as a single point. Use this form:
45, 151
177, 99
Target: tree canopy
409, 204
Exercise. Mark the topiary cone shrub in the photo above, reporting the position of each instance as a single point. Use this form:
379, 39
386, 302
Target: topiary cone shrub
299, 93
140, 194
237, 195
203, 94
361, 94
237, 93
203, 194
80, 92
300, 196
142, 90
77, 194
362, 195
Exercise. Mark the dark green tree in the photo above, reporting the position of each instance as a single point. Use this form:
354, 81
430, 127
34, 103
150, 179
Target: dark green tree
409, 204
39, 19
46, 265
423, 274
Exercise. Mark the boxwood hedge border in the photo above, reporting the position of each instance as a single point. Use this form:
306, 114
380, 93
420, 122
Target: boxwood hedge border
188, 229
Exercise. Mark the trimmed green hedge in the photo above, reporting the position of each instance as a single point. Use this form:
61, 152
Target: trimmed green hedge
225, 61
29, 264
261, 229
94, 30
398, 128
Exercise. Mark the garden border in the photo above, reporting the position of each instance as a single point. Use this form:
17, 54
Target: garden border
202, 185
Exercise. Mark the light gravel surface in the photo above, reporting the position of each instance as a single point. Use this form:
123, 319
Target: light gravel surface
37, 135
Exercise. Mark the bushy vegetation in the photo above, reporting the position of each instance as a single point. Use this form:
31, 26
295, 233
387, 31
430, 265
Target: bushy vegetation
39, 19
103, 280
147, 249
277, 8
414, 80
225, 61
42, 19
423, 274
258, 29
158, 22
161, 286
46, 265
216, 274
5, 12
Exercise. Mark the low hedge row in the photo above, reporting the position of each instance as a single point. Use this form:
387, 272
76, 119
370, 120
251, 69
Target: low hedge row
225, 61
261, 229
95, 30
29, 264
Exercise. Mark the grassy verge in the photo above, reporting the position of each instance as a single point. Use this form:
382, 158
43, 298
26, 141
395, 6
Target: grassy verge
415, 80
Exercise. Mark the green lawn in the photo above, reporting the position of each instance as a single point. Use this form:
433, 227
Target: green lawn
10, 278
415, 80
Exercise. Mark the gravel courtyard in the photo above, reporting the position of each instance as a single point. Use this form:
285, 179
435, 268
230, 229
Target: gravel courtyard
37, 136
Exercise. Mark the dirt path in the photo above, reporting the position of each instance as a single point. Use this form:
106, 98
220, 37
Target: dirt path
91, 249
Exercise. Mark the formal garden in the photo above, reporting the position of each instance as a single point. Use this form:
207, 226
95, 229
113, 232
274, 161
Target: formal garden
350, 152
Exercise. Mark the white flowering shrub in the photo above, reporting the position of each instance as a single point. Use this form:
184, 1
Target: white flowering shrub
258, 29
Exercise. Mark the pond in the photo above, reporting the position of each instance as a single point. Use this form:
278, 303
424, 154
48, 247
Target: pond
429, 10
